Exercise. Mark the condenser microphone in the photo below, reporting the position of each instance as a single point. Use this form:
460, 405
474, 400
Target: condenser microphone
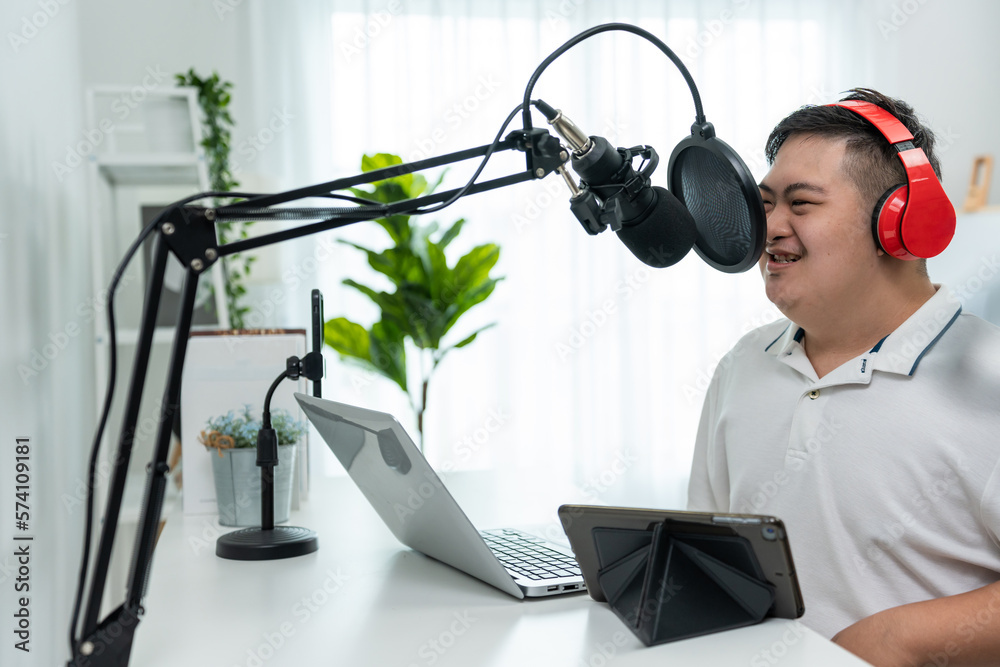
649, 220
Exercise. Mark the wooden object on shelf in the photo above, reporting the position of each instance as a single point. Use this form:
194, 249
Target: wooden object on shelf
979, 184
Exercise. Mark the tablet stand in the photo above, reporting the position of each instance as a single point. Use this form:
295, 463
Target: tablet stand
669, 585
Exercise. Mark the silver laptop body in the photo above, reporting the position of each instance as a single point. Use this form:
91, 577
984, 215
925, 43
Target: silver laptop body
410, 498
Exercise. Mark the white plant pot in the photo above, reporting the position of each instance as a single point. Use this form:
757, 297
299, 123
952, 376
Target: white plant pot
237, 485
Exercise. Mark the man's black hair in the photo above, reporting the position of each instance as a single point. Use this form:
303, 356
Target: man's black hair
870, 162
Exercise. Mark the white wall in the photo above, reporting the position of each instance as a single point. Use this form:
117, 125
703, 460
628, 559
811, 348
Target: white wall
119, 39
943, 58
45, 355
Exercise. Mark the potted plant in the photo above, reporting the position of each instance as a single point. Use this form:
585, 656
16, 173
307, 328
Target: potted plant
237, 477
217, 124
428, 295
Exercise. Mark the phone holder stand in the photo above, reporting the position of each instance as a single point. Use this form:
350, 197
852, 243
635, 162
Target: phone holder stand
668, 585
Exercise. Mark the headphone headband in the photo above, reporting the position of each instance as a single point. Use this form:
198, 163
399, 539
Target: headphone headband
913, 220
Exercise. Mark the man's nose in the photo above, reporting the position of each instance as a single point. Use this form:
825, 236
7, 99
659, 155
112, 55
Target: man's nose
778, 224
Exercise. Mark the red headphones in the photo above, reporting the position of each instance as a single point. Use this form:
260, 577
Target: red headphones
916, 219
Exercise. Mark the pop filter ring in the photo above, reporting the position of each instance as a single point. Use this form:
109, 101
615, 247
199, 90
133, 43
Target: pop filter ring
703, 137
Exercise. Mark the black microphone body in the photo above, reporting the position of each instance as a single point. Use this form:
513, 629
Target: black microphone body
651, 222
607, 172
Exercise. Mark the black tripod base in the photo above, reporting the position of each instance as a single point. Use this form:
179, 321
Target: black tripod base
260, 544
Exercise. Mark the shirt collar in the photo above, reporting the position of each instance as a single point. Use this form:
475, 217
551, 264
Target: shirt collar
789, 338
902, 350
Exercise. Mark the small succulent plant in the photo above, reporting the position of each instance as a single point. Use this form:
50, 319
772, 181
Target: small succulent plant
238, 429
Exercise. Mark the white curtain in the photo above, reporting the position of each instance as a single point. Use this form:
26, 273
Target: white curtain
46, 355
596, 370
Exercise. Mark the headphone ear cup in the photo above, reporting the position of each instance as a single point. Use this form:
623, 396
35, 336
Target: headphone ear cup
887, 221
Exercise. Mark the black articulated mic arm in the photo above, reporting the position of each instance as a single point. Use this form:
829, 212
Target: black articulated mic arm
188, 233
617, 196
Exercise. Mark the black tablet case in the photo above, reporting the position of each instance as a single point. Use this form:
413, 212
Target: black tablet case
668, 585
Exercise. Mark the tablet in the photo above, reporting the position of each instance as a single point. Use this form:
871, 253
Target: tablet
756, 544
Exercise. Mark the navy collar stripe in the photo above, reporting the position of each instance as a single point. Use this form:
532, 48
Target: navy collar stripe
936, 339
778, 338
878, 345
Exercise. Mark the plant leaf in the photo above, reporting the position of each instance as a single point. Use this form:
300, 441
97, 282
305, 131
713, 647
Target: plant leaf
452, 232
438, 273
468, 339
467, 300
474, 267
388, 352
347, 338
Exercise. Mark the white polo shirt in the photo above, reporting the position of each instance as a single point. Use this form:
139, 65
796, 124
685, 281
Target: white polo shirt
886, 471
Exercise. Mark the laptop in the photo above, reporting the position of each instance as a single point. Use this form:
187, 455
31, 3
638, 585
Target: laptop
410, 498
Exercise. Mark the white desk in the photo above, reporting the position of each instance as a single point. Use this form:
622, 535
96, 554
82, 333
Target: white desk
364, 599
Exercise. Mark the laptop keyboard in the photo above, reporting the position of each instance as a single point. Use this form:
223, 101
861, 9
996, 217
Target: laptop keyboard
528, 556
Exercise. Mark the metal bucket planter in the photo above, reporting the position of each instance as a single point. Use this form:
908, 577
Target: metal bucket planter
237, 485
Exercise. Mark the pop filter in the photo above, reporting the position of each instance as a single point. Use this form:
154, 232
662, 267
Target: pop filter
711, 180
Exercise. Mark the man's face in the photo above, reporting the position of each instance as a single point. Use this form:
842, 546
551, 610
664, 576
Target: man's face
820, 253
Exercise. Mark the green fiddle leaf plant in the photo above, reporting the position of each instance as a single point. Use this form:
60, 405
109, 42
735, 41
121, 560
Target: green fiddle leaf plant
428, 295
214, 98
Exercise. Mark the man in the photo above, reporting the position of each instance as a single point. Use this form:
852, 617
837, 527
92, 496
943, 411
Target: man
869, 420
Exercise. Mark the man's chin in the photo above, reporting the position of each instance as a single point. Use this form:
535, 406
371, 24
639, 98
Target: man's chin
783, 301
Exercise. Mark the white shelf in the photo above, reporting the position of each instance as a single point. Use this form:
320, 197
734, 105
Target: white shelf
131, 336
150, 169
160, 335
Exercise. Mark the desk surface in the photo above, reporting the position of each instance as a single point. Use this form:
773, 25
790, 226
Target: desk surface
364, 599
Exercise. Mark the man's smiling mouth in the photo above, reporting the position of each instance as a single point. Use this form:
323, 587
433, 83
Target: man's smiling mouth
784, 259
